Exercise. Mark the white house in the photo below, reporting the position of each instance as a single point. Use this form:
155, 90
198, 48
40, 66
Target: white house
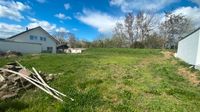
34, 40
23, 47
189, 48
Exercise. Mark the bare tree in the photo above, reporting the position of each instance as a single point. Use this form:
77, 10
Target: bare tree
71, 40
61, 37
136, 29
129, 22
154, 41
144, 25
144, 30
82, 44
174, 28
119, 37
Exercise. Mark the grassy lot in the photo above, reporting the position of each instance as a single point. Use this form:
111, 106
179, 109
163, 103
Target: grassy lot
119, 80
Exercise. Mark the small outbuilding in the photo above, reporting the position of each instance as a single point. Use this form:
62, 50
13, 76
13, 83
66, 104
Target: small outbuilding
62, 47
189, 49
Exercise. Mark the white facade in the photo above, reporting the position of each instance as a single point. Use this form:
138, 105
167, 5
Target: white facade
20, 47
189, 48
37, 35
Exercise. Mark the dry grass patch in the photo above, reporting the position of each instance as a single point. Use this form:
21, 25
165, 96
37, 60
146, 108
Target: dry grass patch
191, 76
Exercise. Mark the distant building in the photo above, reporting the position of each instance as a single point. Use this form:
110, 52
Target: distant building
35, 40
62, 47
189, 48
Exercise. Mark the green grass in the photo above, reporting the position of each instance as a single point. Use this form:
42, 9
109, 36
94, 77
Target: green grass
119, 80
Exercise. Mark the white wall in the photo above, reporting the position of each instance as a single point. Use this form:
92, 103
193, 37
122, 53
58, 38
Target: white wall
197, 67
188, 48
20, 47
25, 37
198, 53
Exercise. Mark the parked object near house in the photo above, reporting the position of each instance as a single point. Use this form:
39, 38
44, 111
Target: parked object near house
62, 47
67, 51
189, 49
74, 50
35, 40
65, 48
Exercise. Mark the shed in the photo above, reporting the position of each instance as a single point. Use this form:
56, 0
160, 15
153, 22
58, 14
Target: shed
62, 47
189, 48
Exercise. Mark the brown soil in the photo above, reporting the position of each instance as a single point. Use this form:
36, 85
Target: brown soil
167, 54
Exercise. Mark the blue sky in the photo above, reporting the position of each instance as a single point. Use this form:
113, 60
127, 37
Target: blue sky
85, 18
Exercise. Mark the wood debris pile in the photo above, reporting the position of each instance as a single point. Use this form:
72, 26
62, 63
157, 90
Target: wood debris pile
10, 54
14, 78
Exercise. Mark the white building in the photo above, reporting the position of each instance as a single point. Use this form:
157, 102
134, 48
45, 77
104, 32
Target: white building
34, 40
189, 48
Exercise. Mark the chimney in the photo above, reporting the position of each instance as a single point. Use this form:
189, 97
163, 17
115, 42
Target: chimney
26, 28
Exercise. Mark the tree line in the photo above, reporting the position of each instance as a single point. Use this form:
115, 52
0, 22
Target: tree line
146, 30
140, 30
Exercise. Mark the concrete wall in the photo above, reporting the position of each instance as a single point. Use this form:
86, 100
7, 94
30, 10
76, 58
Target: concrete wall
25, 37
188, 49
20, 47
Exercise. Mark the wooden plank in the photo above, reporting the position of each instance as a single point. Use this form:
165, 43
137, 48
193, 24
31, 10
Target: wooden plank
41, 80
28, 79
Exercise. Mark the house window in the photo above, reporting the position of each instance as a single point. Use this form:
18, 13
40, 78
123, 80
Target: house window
32, 37
35, 37
50, 49
42, 39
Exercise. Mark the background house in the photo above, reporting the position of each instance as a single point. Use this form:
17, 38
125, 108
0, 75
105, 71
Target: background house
189, 48
34, 40
23, 47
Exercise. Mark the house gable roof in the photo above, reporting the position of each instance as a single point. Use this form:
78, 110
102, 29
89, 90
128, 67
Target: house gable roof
190, 33
15, 36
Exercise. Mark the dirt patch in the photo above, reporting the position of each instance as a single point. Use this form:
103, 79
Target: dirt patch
167, 54
153, 59
192, 77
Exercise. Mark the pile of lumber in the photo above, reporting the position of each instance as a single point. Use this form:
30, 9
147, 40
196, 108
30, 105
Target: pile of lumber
10, 54
14, 78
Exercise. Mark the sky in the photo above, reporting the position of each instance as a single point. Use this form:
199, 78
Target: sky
87, 19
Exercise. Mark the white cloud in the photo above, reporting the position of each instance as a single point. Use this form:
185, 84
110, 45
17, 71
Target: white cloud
74, 29
12, 10
63, 16
102, 21
44, 24
7, 30
61, 29
67, 6
196, 1
192, 13
129, 5
41, 1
